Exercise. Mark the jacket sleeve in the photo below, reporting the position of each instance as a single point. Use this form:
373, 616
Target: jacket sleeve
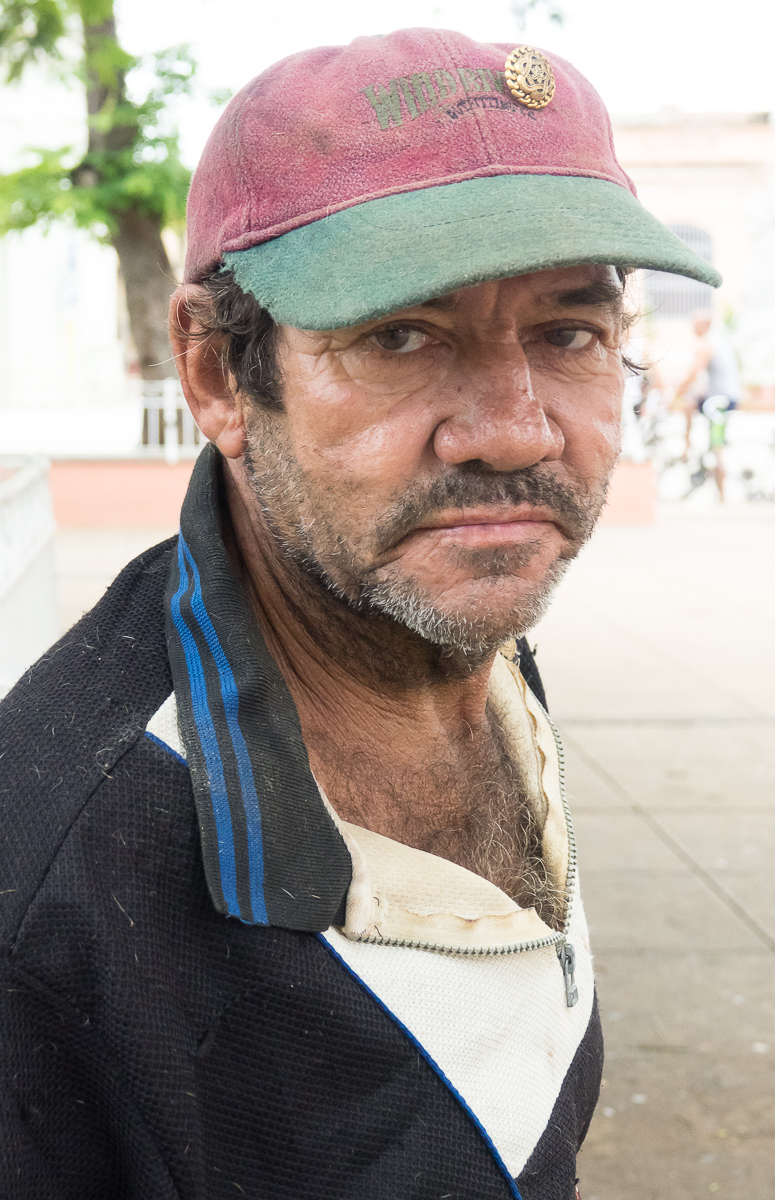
53, 1140
68, 1130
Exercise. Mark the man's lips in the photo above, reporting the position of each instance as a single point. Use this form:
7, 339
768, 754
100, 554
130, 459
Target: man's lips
487, 526
513, 514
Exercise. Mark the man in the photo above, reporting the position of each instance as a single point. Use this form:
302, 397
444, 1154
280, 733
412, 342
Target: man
712, 387
291, 906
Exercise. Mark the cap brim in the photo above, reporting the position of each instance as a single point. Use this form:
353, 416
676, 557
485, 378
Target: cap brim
387, 254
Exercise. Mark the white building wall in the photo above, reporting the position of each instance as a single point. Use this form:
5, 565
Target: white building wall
60, 341
716, 172
64, 389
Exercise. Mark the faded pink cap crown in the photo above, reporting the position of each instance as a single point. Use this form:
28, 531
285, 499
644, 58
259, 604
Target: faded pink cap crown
340, 125
337, 127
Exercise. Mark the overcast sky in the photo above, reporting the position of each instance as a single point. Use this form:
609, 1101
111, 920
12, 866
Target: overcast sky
695, 55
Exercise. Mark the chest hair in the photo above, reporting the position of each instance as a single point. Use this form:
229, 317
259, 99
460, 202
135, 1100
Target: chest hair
465, 802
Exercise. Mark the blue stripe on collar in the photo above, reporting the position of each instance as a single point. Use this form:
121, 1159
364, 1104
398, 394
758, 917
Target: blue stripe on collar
272, 854
203, 628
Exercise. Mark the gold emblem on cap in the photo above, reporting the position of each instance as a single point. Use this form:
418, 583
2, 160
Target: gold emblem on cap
530, 77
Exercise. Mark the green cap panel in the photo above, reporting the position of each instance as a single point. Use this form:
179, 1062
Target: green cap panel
383, 255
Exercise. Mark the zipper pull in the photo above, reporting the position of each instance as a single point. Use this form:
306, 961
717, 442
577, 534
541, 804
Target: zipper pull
567, 957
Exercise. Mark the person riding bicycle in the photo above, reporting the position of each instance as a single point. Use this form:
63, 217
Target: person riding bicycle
712, 387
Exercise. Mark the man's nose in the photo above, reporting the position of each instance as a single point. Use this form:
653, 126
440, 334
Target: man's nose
496, 418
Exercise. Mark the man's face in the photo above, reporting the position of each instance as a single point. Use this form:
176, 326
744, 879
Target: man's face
440, 466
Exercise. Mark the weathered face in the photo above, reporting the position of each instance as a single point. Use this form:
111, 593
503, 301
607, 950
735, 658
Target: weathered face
441, 465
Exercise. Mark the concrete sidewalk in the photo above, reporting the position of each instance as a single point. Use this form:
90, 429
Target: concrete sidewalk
88, 560
658, 656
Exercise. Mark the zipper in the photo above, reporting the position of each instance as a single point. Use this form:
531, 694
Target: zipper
567, 956
565, 950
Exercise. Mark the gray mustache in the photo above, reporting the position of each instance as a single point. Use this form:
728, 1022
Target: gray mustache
534, 485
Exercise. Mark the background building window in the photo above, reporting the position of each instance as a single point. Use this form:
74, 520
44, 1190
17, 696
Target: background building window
671, 296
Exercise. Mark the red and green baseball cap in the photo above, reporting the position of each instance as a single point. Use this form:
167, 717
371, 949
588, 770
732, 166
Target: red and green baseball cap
347, 182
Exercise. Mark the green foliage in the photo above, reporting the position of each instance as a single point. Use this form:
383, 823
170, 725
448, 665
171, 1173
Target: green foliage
30, 31
95, 193
36, 193
132, 161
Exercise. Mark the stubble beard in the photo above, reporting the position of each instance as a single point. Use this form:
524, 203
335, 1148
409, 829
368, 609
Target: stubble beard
302, 519
475, 636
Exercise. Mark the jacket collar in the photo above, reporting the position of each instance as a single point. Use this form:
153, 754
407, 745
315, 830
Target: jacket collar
272, 853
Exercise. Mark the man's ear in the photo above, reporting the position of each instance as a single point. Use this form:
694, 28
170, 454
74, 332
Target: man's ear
205, 386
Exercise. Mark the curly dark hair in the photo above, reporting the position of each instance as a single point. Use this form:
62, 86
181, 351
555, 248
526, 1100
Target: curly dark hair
244, 334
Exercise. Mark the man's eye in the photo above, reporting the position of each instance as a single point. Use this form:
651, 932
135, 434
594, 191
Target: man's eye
569, 339
400, 339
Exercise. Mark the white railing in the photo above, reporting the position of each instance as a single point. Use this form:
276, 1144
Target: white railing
26, 516
167, 421
150, 420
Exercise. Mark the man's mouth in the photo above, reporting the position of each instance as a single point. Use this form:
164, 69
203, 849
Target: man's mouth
480, 511
491, 525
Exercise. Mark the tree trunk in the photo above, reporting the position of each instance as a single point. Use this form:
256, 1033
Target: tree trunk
104, 90
149, 284
144, 264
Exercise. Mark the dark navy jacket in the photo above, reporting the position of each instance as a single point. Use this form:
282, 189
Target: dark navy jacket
171, 1024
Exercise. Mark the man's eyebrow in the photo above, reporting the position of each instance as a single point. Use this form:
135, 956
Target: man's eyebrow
600, 294
442, 302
